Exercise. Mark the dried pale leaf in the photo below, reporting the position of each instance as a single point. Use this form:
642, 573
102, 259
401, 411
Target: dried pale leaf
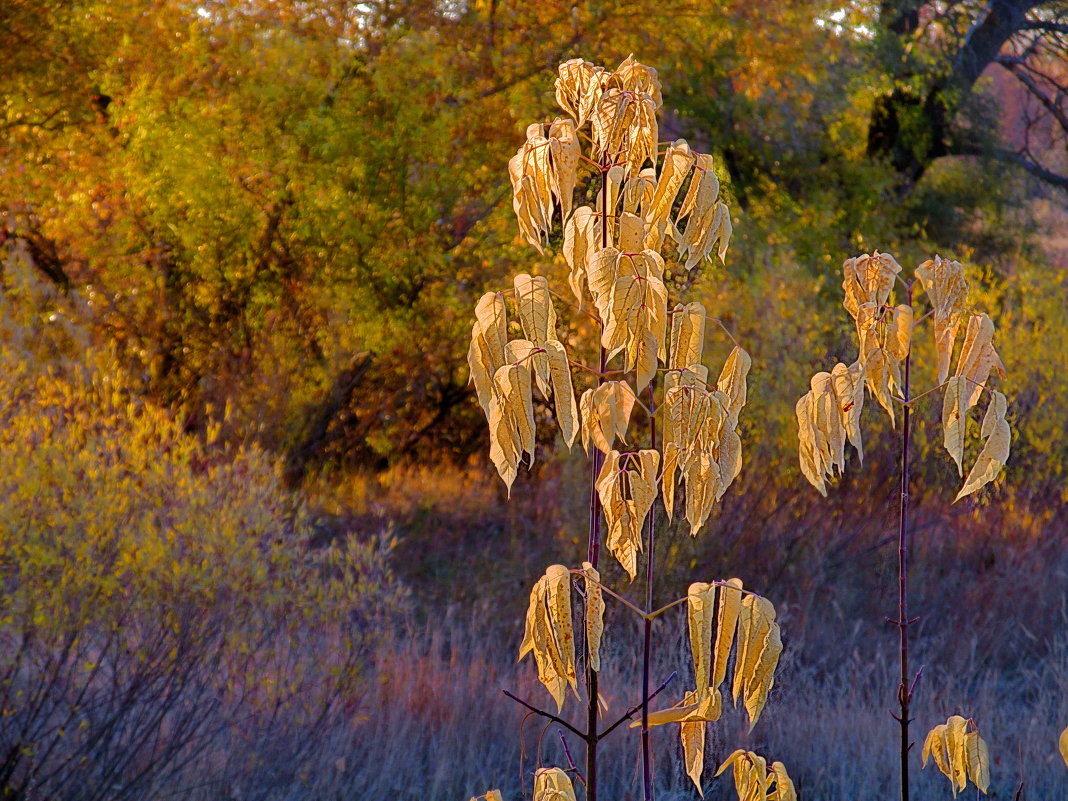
614, 113
943, 281
539, 639
701, 476
605, 413
755, 622
868, 279
729, 608
565, 151
578, 86
995, 453
602, 271
631, 233
505, 450
552, 784
536, 312
638, 194
784, 785
558, 588
902, 324
809, 444
643, 135
762, 678
978, 760
563, 390
732, 381
848, 386
954, 420
481, 367
728, 460
956, 727
637, 77
692, 734
514, 394
936, 746
676, 166
594, 614
877, 375
978, 357
492, 318
580, 244
687, 336
735, 756
700, 612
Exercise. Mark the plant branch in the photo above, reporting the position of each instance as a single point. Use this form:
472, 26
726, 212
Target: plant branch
544, 714
630, 712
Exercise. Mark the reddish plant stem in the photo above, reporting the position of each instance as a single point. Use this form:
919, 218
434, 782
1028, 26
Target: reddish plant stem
904, 691
593, 549
647, 650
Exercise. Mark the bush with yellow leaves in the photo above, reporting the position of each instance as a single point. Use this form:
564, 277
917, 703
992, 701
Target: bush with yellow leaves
163, 621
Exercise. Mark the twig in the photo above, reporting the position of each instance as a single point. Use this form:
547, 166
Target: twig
544, 714
570, 761
630, 712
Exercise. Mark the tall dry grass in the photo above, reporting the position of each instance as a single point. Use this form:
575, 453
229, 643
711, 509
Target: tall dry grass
988, 582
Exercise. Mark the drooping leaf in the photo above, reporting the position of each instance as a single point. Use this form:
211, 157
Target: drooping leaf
759, 647
687, 336
879, 375
978, 358
549, 633
605, 413
536, 312
692, 733
784, 785
954, 420
978, 759
563, 390
675, 167
552, 784
578, 87
700, 612
594, 616
995, 453
564, 150
943, 281
811, 443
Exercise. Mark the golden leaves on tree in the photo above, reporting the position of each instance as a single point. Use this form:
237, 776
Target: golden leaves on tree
701, 441
959, 753
718, 617
503, 371
829, 414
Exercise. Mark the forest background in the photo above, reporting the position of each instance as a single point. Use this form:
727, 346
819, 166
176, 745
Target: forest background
250, 546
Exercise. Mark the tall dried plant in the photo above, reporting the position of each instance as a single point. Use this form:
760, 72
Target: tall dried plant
633, 253
828, 416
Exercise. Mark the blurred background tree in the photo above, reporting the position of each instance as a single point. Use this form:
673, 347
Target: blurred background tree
261, 202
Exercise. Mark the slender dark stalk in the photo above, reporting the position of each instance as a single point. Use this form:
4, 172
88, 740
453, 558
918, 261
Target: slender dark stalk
904, 690
593, 548
647, 650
